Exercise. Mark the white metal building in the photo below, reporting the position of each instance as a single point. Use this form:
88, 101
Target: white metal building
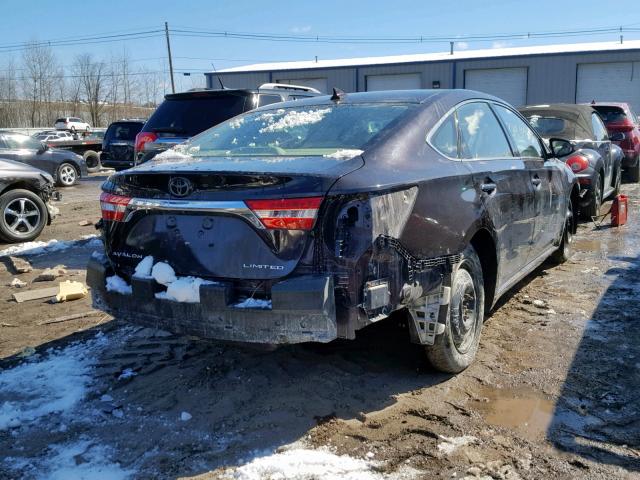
581, 72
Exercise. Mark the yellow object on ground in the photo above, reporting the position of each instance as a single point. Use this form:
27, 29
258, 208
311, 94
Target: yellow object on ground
69, 290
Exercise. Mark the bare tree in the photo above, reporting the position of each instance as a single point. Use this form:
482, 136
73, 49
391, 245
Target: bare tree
9, 96
38, 81
93, 78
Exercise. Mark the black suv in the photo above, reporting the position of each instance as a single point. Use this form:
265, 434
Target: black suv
183, 115
118, 143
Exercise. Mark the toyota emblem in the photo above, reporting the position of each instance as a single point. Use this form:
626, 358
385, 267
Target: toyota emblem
179, 186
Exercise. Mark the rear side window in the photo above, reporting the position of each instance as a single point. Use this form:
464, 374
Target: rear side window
188, 116
74, 119
481, 136
123, 131
445, 140
599, 131
268, 100
522, 135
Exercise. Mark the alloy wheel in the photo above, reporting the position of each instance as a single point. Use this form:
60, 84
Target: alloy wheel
67, 174
22, 216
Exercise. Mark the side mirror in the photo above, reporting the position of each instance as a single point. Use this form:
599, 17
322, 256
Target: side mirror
561, 147
617, 137
43, 148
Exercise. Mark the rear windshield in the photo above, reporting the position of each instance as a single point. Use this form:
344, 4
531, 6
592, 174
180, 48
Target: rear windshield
186, 117
125, 131
611, 114
331, 130
547, 126
61, 120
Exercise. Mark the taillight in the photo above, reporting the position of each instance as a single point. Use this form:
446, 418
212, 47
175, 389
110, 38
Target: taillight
113, 206
287, 213
577, 163
144, 137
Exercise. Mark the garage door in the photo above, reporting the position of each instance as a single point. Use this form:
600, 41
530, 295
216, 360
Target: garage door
509, 84
609, 82
400, 81
317, 83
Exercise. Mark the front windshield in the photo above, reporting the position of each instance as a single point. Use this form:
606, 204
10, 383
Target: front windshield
330, 130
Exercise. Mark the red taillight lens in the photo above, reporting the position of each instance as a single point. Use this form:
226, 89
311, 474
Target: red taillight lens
288, 213
113, 206
144, 137
577, 163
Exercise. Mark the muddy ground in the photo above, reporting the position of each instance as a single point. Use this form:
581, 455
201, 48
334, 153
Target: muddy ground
554, 392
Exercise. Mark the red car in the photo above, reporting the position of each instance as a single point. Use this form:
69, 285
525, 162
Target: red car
618, 117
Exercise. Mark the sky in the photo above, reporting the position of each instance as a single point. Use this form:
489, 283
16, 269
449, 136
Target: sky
29, 20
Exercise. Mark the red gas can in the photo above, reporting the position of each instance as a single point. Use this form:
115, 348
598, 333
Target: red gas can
619, 210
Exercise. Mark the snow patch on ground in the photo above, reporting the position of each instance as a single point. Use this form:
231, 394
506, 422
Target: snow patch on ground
118, 285
294, 118
345, 153
39, 247
254, 303
83, 460
301, 463
451, 444
40, 387
163, 273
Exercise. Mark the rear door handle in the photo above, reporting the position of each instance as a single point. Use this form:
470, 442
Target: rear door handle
488, 187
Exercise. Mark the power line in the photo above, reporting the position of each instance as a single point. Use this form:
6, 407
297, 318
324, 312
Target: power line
301, 38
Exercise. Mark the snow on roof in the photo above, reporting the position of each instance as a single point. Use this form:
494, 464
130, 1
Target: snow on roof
437, 56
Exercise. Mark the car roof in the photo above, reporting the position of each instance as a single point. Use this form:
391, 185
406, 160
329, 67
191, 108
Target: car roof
578, 117
449, 97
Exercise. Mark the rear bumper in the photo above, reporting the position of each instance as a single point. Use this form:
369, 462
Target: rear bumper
303, 310
109, 163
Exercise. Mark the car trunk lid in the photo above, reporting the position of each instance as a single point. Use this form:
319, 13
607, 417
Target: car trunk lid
233, 218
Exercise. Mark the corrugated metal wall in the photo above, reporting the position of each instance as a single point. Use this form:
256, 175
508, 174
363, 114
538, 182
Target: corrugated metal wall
551, 78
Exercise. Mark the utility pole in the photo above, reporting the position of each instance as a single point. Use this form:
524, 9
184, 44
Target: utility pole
166, 32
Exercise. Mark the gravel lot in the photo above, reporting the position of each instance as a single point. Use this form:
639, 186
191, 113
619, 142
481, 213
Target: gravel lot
552, 394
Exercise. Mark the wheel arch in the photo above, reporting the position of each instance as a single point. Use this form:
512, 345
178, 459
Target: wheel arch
483, 242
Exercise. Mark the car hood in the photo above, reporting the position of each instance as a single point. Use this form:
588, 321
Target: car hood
11, 166
302, 165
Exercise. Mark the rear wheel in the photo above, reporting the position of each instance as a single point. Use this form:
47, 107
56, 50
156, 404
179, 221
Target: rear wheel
92, 159
593, 208
23, 215
455, 349
67, 175
564, 250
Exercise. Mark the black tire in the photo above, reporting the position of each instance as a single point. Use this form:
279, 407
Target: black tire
564, 251
593, 208
21, 229
633, 173
456, 348
92, 159
67, 175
